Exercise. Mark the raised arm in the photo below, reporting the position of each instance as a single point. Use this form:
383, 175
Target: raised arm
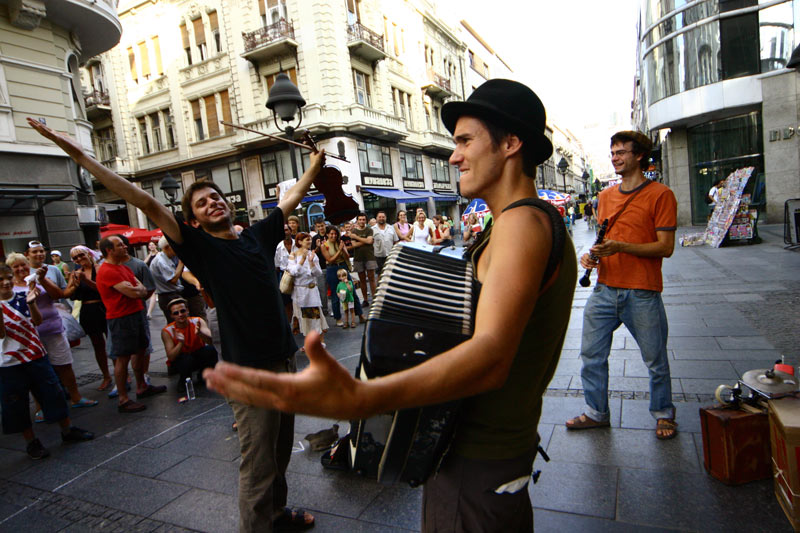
511, 274
291, 199
155, 211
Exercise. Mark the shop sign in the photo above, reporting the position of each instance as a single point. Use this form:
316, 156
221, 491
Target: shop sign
413, 184
18, 227
782, 135
376, 181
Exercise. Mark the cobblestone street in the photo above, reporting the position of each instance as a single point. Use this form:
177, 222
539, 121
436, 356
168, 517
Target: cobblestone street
174, 466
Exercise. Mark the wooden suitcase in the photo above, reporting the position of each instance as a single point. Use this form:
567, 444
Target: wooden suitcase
736, 444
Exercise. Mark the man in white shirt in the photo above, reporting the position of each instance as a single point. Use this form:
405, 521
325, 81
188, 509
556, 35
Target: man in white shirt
384, 237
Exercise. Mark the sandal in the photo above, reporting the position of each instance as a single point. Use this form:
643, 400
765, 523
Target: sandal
667, 425
584, 422
293, 520
106, 383
345, 326
84, 402
353, 325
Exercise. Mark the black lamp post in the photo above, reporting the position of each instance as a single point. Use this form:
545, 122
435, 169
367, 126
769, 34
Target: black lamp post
585, 177
284, 101
170, 187
562, 169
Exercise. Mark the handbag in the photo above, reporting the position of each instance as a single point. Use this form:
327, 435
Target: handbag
287, 283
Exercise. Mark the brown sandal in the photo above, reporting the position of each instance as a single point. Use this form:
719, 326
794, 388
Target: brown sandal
353, 325
345, 326
584, 422
666, 424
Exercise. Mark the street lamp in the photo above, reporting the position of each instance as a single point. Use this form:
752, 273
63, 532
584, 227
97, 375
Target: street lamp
562, 169
170, 188
585, 178
284, 101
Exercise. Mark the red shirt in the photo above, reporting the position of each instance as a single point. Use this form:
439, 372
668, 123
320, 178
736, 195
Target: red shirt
191, 340
117, 304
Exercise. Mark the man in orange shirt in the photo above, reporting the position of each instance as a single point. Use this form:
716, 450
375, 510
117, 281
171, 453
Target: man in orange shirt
187, 341
642, 219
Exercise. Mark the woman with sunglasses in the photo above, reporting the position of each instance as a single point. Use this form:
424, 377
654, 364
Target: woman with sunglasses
93, 313
51, 330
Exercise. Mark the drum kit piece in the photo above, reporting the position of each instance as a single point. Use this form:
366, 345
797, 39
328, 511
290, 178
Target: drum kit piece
756, 387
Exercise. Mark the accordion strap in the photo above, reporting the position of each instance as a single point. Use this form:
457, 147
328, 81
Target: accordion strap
559, 237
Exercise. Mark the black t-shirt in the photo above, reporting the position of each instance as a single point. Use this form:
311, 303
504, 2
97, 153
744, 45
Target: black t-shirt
316, 240
239, 276
587, 209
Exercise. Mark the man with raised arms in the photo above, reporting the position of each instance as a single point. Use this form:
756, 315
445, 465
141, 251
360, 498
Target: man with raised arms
234, 269
520, 323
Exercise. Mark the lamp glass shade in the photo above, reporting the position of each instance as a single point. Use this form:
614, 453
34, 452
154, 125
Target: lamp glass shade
284, 98
286, 110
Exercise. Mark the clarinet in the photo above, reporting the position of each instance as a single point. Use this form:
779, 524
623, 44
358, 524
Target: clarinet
585, 281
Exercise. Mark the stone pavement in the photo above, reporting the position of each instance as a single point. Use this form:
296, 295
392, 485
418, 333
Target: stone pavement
174, 466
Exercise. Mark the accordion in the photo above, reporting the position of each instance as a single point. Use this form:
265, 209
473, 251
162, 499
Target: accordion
423, 307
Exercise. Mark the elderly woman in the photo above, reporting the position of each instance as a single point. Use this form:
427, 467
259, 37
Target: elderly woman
304, 266
93, 313
51, 330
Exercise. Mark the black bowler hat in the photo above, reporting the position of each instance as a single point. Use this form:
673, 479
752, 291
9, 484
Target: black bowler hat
510, 105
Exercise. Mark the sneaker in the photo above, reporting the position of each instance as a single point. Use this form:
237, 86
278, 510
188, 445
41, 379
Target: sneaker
114, 392
36, 450
147, 378
76, 434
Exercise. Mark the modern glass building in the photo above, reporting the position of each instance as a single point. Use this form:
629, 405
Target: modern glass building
712, 87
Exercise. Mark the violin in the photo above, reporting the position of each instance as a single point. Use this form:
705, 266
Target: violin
339, 206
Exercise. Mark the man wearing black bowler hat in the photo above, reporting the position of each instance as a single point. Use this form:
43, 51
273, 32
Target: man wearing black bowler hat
521, 320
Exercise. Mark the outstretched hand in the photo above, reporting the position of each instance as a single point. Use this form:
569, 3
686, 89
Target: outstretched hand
65, 142
325, 388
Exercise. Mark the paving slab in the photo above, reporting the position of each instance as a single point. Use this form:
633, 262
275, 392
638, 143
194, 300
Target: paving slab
125, 492
202, 510
626, 384
704, 386
47, 474
206, 440
726, 355
557, 410
348, 495
546, 521
398, 505
330, 522
33, 521
588, 489
636, 415
685, 369
697, 502
204, 473
144, 461
744, 343
632, 448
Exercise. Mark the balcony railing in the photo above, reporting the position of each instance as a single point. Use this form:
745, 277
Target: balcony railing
274, 32
438, 80
95, 98
359, 32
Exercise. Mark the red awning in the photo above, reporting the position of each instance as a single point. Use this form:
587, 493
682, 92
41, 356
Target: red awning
134, 235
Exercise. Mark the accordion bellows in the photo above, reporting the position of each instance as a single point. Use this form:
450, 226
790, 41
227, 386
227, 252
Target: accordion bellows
423, 307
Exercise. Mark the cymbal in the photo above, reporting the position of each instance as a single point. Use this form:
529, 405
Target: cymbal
770, 381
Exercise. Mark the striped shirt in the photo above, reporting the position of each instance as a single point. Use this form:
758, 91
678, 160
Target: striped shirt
21, 343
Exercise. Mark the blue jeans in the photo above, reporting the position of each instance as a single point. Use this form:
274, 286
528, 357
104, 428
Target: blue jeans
643, 314
333, 282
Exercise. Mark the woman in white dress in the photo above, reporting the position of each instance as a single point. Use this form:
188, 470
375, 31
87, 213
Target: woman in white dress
421, 233
304, 266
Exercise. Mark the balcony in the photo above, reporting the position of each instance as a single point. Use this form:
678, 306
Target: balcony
98, 105
366, 121
437, 85
365, 43
269, 42
95, 23
436, 142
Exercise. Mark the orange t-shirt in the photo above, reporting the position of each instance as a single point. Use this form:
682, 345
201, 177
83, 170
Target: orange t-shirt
192, 341
653, 209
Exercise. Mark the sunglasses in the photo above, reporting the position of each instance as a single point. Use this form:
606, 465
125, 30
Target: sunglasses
78, 256
180, 312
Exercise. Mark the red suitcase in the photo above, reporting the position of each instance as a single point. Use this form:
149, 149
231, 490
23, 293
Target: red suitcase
736, 444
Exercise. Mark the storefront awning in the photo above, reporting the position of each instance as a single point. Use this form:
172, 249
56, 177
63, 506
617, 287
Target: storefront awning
274, 203
436, 196
392, 193
16, 200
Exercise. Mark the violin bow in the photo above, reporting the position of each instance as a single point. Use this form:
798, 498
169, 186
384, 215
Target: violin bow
275, 137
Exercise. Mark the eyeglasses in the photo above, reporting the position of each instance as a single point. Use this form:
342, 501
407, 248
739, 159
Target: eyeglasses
180, 312
619, 153
78, 255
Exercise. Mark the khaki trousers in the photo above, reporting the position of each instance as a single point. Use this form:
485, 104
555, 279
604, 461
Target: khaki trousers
265, 438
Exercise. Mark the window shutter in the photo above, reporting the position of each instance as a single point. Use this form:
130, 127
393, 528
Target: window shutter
157, 50
226, 109
262, 8
184, 36
213, 21
195, 109
132, 61
211, 115
144, 56
199, 32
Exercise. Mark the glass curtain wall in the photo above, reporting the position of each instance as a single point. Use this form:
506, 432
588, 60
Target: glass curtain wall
718, 148
701, 44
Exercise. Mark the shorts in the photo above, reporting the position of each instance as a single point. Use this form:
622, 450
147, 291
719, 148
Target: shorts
57, 348
348, 306
36, 377
128, 334
93, 318
358, 266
